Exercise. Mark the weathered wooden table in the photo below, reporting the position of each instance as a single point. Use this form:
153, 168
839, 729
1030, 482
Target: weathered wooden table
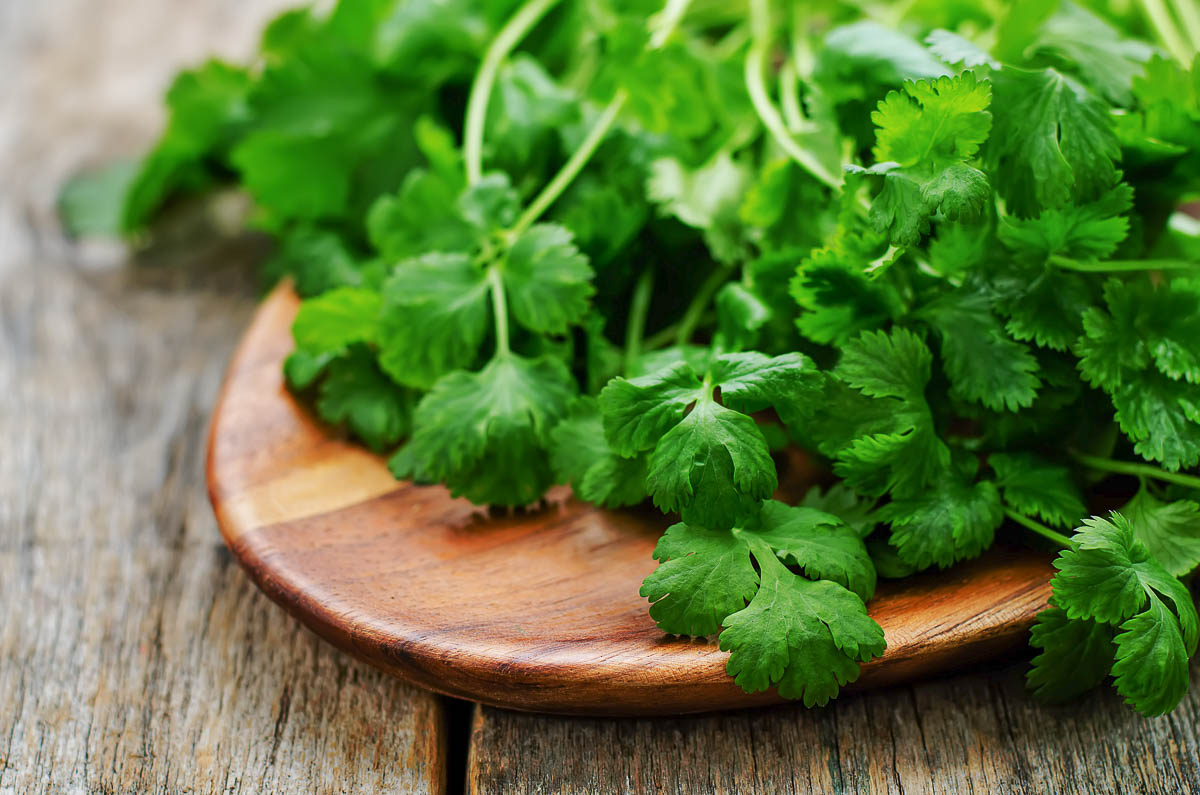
135, 656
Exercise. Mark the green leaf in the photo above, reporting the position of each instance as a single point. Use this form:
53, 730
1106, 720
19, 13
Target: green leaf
1052, 141
317, 259
1033, 486
206, 107
1087, 232
702, 577
953, 521
839, 299
1162, 417
1170, 530
1151, 670
355, 392
638, 411
421, 216
886, 365
713, 467
934, 123
804, 637
741, 316
983, 364
333, 320
320, 189
487, 434
843, 503
1109, 576
751, 381
434, 315
491, 204
581, 457
301, 369
820, 544
1076, 656
547, 279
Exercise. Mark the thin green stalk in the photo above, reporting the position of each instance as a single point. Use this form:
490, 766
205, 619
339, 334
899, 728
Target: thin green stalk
481, 90
756, 60
793, 114
1189, 15
1039, 528
1137, 470
499, 310
1160, 19
636, 327
666, 21
573, 166
1114, 265
695, 310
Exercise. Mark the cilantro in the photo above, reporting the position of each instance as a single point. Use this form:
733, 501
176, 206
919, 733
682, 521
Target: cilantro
1109, 577
642, 250
738, 579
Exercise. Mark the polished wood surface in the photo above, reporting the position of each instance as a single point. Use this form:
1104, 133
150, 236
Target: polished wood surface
533, 610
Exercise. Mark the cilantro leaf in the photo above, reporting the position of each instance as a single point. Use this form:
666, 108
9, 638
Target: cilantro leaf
953, 521
1076, 656
421, 216
882, 437
925, 138
581, 456
981, 361
703, 576
355, 392
433, 317
820, 544
547, 279
1110, 575
752, 381
1038, 488
1052, 140
487, 434
638, 411
839, 299
1151, 670
333, 320
1170, 530
1085, 231
803, 636
713, 467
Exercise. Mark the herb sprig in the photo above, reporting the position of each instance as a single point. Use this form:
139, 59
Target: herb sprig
638, 249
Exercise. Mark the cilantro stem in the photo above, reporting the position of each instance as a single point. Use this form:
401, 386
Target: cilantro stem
793, 114
1124, 265
756, 86
1039, 528
481, 90
500, 310
1189, 15
636, 327
1160, 19
700, 301
573, 166
1136, 469
663, 26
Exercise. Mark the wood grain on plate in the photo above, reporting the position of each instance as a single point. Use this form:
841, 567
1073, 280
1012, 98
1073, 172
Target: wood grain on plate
536, 610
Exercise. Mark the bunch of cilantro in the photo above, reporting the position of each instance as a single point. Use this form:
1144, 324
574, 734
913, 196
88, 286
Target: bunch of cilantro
642, 249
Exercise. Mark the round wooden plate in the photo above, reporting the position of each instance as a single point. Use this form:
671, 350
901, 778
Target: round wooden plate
535, 610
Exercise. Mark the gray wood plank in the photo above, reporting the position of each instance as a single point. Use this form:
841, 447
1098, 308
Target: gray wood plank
971, 733
135, 656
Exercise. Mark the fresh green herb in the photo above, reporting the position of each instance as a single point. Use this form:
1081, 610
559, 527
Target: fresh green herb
639, 249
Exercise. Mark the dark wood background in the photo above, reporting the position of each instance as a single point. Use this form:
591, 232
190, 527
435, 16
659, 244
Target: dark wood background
135, 656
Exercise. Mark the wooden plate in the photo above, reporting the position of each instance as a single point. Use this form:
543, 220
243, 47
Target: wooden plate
535, 610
